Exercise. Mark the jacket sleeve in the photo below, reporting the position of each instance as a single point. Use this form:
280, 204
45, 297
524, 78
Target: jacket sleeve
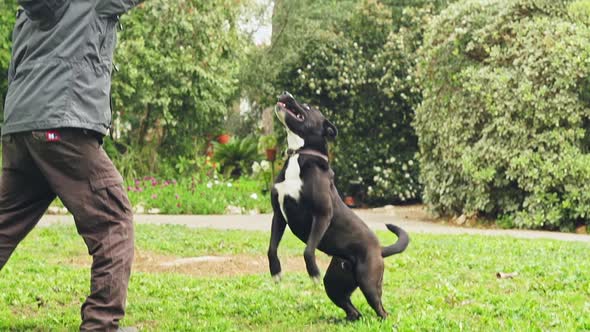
15, 31
115, 7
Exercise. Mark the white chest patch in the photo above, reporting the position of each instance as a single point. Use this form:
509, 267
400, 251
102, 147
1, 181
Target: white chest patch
292, 185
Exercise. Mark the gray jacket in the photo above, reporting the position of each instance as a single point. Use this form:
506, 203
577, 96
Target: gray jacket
62, 59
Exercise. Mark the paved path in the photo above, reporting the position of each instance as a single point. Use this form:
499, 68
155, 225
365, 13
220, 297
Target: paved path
412, 219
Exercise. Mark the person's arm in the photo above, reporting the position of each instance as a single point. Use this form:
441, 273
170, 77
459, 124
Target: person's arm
17, 28
115, 7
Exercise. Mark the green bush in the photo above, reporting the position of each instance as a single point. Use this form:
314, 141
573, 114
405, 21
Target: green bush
359, 75
178, 64
236, 156
504, 126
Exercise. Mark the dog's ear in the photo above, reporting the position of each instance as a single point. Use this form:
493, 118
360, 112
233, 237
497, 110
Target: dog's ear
330, 130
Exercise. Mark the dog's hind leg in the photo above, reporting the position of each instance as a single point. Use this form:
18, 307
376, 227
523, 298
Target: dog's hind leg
339, 282
369, 275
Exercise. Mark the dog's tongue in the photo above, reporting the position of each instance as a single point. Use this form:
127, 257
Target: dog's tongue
281, 104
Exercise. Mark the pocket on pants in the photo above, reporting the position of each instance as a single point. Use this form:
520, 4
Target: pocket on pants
111, 195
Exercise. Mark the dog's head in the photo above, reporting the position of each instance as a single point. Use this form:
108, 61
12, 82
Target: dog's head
305, 125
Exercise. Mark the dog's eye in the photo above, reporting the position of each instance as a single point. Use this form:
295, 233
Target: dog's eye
300, 116
307, 107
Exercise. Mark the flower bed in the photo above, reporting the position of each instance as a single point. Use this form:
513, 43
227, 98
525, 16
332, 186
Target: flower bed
197, 196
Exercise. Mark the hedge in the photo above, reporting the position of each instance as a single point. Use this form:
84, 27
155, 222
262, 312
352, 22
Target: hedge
504, 126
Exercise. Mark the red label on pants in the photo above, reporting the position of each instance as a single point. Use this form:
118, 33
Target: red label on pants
52, 136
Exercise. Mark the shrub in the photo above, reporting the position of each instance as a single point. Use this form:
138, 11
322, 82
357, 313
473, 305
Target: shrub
237, 156
177, 76
504, 123
360, 79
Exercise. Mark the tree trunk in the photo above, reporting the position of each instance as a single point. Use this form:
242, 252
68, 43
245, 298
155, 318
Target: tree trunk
279, 18
144, 125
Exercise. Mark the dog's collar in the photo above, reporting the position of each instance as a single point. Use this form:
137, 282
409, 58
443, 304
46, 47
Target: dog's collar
311, 152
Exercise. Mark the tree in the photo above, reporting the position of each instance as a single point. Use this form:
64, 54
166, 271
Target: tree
178, 73
504, 126
355, 60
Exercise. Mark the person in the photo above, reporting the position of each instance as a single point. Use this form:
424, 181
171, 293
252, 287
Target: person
57, 110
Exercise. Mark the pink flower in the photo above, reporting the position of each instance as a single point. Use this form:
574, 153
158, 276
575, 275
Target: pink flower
154, 182
174, 182
129, 188
177, 197
154, 196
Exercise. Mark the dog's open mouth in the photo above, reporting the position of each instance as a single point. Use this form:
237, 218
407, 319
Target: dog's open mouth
282, 107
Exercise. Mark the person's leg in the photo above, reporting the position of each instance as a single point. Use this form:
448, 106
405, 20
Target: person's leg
24, 195
83, 176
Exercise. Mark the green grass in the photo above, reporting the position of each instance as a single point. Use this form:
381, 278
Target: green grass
441, 283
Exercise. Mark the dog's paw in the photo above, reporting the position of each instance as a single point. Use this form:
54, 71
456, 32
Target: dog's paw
277, 277
316, 279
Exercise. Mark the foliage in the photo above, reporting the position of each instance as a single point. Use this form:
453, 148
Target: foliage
269, 141
361, 77
451, 287
262, 173
196, 195
177, 76
505, 123
294, 24
355, 61
236, 156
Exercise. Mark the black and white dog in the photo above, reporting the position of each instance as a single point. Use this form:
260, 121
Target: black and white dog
305, 198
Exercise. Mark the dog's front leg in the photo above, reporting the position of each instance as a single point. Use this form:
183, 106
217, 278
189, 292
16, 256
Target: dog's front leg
318, 229
276, 234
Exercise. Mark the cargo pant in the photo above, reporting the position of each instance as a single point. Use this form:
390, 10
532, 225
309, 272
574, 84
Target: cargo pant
71, 164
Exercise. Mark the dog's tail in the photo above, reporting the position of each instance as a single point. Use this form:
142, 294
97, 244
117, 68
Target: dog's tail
400, 245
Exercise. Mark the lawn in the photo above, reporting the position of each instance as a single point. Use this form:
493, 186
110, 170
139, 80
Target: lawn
441, 283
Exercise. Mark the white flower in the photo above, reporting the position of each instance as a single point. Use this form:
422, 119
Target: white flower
255, 167
410, 163
265, 165
254, 196
407, 175
216, 181
209, 185
229, 184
